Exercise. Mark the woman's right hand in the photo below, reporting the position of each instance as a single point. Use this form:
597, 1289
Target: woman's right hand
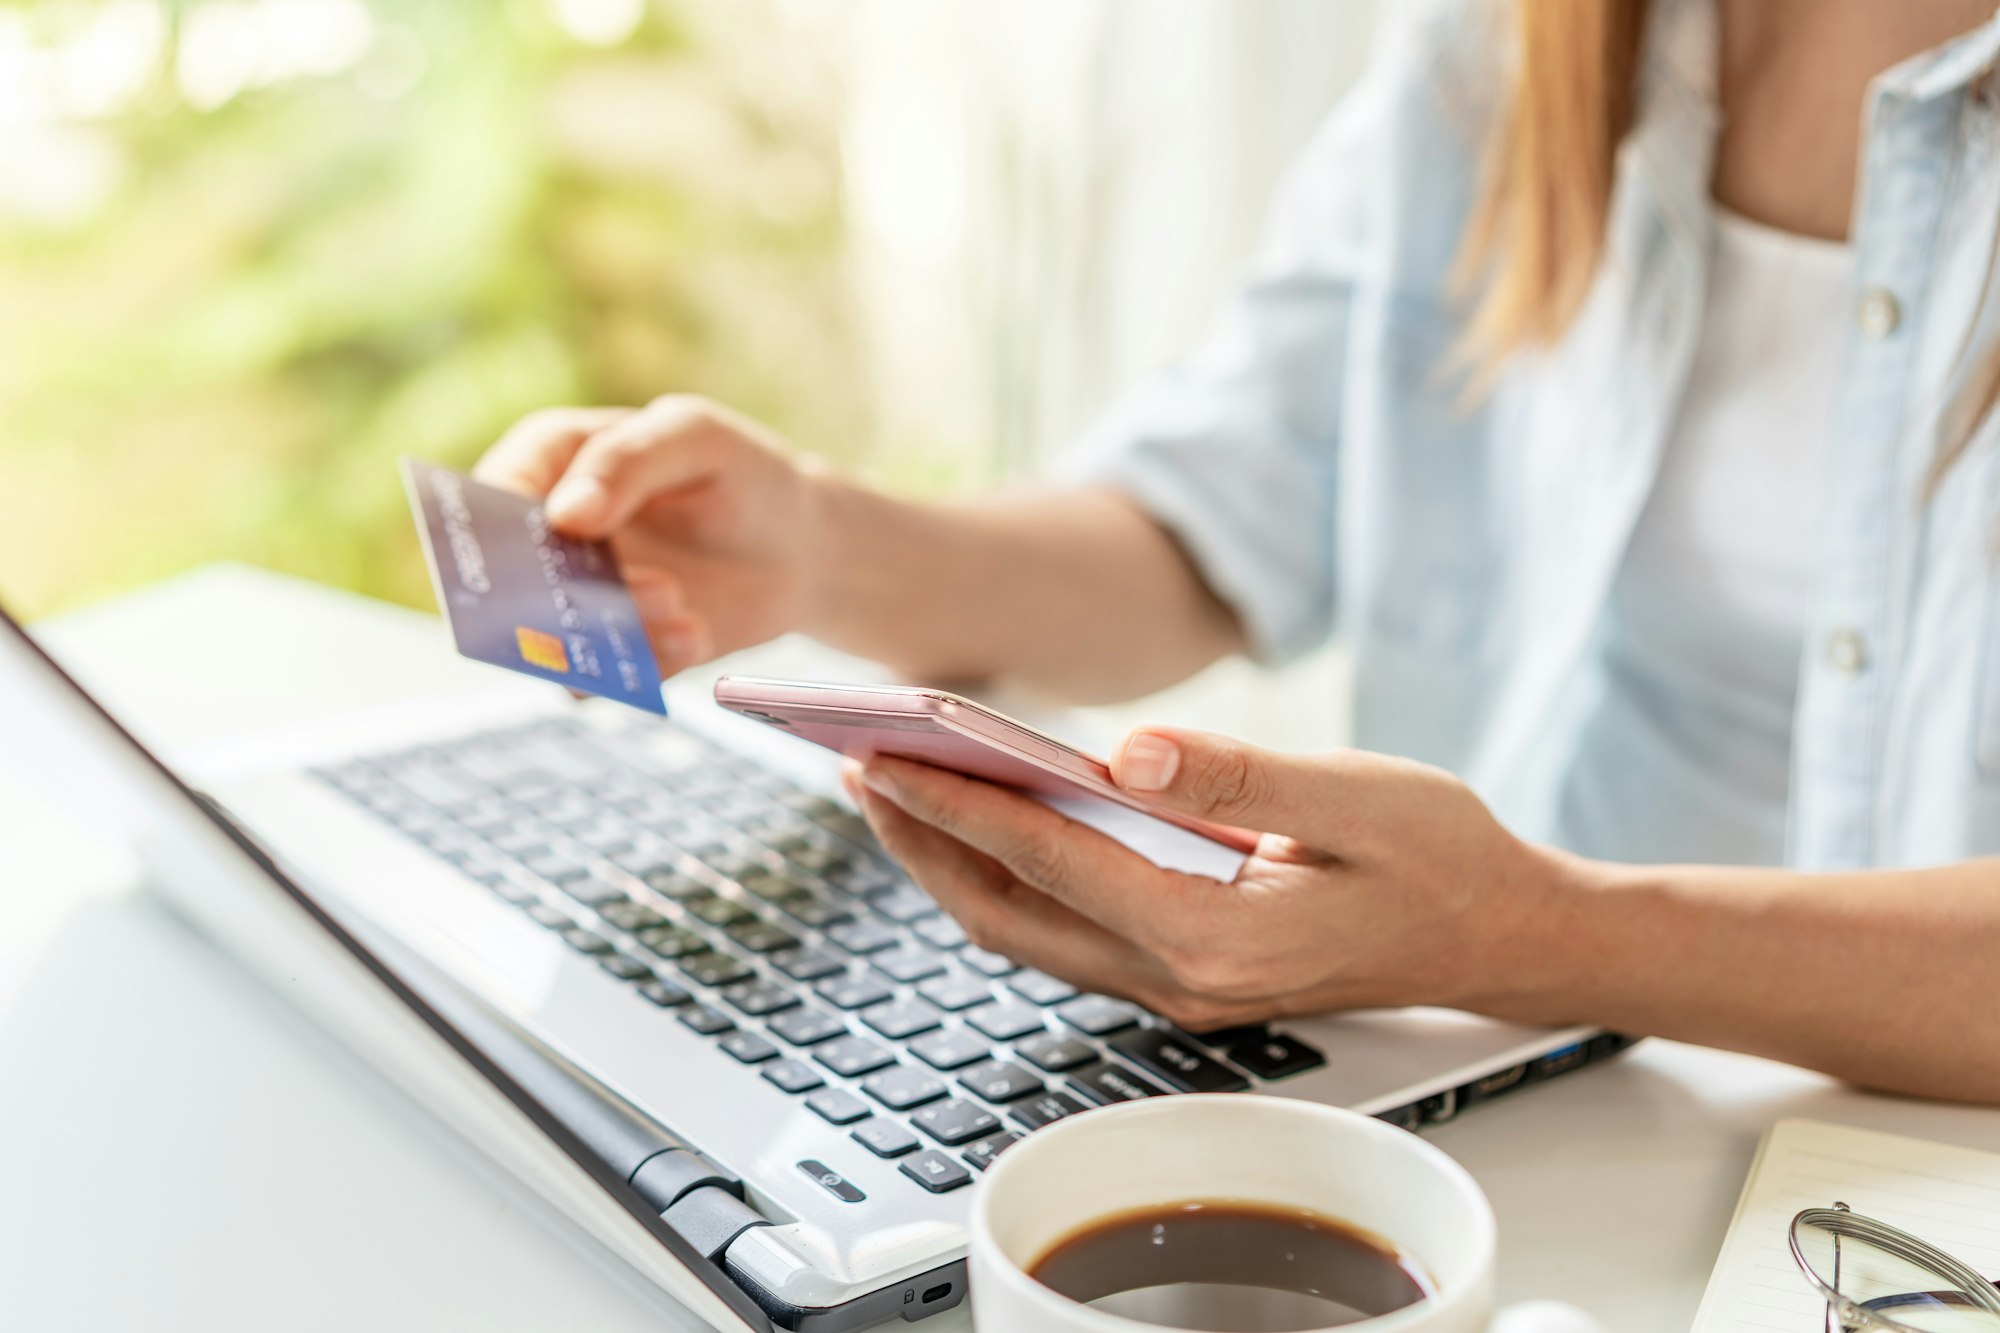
718, 526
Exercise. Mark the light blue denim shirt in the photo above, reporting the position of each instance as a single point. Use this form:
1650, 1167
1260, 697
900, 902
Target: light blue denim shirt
1319, 465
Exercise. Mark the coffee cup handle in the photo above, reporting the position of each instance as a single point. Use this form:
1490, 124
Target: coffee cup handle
1543, 1317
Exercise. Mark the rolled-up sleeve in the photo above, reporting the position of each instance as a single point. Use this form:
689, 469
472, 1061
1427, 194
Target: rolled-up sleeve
1237, 451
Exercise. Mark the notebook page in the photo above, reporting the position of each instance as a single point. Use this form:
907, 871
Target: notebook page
1947, 1195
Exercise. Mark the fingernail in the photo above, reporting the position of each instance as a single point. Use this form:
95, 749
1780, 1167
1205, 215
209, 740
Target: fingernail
878, 781
577, 501
1149, 763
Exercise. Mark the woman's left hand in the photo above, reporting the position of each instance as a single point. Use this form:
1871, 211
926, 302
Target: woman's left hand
1378, 882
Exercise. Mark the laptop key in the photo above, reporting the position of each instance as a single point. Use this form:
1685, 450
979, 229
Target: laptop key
862, 937
519, 894
1276, 1055
525, 838
351, 777
531, 790
605, 836
951, 1050
707, 1020
838, 1106
769, 885
628, 915
851, 827
484, 871
624, 966
748, 1047
884, 1138
1105, 1083
737, 865
820, 860
907, 964
703, 842
1055, 1052
441, 786
1004, 1020
1046, 1109
552, 918
902, 905
1179, 1061
852, 992
673, 884
999, 1081
663, 992
572, 812
555, 867
814, 912
714, 969
459, 850
902, 1087
935, 1172
811, 805
940, 932
671, 941
807, 1026
762, 937
956, 991
793, 1076
642, 861
851, 1056
955, 1121
585, 940
1039, 987
901, 1019
803, 964
720, 911
981, 1154
592, 892
757, 998
1098, 1015
987, 962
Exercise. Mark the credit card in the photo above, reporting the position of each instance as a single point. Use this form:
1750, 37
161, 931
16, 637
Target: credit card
522, 596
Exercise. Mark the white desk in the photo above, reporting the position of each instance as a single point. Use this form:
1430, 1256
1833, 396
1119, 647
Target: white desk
179, 1151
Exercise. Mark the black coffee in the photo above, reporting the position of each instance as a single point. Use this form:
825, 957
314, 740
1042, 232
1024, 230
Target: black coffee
1232, 1267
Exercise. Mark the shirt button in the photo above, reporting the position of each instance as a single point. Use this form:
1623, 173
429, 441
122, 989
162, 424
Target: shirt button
1878, 313
1846, 651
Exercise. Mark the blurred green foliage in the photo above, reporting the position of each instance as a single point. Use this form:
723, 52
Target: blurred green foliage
269, 299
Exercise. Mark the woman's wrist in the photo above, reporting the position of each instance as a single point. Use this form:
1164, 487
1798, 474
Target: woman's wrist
1550, 952
855, 585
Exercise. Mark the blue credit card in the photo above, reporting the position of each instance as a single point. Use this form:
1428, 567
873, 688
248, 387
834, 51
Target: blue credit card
524, 597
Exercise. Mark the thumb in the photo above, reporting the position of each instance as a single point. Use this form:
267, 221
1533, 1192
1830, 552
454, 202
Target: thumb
1213, 777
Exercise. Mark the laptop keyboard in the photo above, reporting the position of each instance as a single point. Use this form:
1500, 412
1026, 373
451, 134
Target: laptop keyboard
768, 918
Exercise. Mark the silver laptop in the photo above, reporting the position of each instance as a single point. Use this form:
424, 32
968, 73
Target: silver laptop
686, 959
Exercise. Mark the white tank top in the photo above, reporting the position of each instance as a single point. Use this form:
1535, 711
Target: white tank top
1687, 756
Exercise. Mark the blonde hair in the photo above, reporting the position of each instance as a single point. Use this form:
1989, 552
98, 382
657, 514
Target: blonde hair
1536, 236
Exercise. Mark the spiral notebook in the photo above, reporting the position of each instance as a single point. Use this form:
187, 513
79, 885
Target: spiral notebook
1947, 1195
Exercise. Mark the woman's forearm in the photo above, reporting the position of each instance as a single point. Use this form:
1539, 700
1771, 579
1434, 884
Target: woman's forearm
1077, 593
1884, 978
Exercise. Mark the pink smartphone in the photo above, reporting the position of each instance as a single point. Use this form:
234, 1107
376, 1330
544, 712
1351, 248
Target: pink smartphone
943, 730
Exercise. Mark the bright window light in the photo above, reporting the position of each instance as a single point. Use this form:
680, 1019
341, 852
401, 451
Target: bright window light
599, 22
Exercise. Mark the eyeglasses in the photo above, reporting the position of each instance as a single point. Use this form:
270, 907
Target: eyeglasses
1876, 1277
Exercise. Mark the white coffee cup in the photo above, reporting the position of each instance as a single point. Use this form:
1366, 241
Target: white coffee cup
1252, 1149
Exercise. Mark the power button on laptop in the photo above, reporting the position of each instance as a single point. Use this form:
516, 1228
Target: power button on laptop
839, 1186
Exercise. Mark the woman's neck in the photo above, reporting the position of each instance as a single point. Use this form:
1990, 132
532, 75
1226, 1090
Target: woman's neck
1793, 82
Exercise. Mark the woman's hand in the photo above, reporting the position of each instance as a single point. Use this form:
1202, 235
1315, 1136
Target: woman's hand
1378, 882
719, 528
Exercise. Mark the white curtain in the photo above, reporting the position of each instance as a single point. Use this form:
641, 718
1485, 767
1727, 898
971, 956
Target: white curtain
1050, 199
